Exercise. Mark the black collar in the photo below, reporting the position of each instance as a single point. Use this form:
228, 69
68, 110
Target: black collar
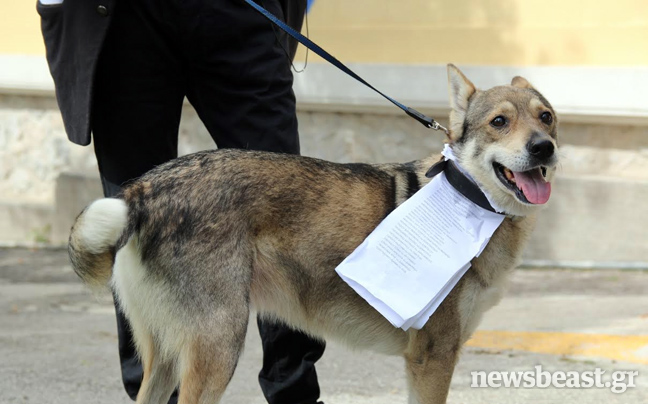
459, 181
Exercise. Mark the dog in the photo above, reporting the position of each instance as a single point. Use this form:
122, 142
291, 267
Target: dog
193, 245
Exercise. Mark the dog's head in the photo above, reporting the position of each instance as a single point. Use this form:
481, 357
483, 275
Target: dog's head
506, 139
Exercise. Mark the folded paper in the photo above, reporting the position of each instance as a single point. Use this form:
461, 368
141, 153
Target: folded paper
408, 265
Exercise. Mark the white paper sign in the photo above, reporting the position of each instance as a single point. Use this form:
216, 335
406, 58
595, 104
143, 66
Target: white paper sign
413, 259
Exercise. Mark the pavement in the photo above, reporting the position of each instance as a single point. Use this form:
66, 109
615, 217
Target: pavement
58, 341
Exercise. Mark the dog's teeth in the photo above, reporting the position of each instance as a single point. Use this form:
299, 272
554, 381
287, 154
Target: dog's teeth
509, 175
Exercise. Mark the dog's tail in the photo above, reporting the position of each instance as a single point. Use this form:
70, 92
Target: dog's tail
92, 241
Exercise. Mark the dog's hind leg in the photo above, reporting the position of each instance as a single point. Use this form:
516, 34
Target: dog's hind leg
208, 362
159, 379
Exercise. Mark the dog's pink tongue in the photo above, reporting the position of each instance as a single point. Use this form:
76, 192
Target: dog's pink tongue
533, 185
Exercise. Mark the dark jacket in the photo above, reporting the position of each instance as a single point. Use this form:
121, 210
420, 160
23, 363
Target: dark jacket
74, 32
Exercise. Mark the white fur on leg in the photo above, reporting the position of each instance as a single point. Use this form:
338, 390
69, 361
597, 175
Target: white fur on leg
150, 306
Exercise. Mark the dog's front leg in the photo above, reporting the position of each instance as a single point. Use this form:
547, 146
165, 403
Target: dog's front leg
430, 362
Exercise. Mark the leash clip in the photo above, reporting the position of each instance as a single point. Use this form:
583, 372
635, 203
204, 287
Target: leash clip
437, 126
424, 119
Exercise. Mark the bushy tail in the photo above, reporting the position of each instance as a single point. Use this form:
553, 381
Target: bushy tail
93, 238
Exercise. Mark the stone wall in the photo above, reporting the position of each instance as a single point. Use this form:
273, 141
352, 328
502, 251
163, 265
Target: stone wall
34, 149
597, 216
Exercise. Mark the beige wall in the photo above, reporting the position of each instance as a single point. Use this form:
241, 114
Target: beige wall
503, 32
20, 28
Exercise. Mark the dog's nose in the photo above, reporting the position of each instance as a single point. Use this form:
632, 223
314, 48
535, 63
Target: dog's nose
542, 149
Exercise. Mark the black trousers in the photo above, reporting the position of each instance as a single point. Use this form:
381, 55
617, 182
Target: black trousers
233, 67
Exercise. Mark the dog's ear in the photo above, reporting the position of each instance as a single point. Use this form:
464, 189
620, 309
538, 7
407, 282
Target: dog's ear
521, 82
461, 89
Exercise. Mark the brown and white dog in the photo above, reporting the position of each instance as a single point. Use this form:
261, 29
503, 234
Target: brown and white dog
192, 246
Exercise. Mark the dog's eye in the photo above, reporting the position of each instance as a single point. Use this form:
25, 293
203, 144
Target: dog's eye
546, 118
498, 122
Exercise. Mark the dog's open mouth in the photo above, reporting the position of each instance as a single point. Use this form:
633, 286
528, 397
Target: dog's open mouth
529, 186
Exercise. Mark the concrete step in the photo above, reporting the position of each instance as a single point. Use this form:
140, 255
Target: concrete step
590, 220
25, 224
47, 224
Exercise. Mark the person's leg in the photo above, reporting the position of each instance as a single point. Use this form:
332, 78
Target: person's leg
240, 83
239, 79
288, 374
137, 103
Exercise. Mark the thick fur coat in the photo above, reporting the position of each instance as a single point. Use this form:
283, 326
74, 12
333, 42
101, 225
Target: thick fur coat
195, 244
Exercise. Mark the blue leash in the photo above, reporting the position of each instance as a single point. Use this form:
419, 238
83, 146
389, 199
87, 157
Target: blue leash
425, 120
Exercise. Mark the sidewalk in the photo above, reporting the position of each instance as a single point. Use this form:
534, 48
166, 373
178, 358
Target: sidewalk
58, 342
